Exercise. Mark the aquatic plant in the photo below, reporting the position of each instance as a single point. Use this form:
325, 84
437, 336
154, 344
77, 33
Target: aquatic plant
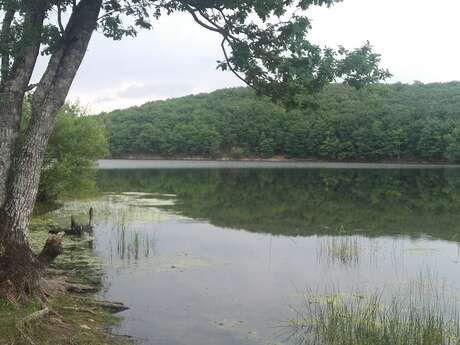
344, 250
419, 315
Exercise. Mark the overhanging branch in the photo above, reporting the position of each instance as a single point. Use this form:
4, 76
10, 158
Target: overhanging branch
59, 18
231, 68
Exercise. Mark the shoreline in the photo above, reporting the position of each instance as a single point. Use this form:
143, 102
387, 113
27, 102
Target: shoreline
275, 159
275, 163
71, 312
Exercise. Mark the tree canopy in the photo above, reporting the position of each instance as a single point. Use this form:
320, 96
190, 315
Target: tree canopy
70, 161
263, 42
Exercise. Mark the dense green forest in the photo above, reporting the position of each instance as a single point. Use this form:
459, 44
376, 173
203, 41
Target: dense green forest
383, 122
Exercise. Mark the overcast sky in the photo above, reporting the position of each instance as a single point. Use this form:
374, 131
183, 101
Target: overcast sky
418, 40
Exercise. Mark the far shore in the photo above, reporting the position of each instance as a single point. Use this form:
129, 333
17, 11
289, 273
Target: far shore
273, 163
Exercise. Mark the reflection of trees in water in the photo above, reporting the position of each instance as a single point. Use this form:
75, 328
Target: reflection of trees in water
302, 202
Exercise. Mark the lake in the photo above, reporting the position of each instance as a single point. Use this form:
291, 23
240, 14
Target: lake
223, 255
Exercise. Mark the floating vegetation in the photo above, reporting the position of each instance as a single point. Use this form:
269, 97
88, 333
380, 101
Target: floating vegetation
77, 259
420, 315
421, 251
229, 323
132, 208
172, 263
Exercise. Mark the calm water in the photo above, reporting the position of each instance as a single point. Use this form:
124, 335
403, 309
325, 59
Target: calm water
218, 256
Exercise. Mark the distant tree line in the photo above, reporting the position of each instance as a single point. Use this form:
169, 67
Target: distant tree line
383, 122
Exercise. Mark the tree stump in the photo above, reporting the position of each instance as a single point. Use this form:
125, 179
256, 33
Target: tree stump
77, 229
53, 248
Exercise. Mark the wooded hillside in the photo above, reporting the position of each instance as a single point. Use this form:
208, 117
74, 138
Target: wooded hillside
384, 122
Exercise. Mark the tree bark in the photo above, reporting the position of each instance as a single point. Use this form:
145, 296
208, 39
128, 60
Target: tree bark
17, 262
5, 39
10, 115
22, 185
14, 84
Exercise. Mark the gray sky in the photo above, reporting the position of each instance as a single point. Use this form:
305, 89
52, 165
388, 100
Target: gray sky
418, 40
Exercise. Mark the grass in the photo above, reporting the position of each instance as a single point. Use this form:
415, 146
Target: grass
421, 315
72, 321
342, 250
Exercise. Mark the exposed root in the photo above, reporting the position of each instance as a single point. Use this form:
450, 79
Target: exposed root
22, 271
113, 307
38, 315
59, 285
80, 310
80, 288
20, 274
35, 316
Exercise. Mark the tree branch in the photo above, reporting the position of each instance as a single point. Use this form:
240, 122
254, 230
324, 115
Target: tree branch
26, 57
31, 87
231, 68
121, 10
212, 26
201, 23
59, 17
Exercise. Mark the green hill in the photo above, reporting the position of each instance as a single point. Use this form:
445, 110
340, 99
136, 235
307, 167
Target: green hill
385, 122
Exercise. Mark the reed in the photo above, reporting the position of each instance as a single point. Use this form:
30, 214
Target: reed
421, 315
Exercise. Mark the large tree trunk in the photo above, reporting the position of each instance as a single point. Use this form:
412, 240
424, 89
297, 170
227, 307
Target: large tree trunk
15, 81
48, 98
10, 115
17, 262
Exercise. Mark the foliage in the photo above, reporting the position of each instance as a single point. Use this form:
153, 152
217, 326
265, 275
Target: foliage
76, 143
263, 42
384, 122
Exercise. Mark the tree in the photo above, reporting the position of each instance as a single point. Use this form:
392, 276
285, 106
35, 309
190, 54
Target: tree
273, 56
75, 145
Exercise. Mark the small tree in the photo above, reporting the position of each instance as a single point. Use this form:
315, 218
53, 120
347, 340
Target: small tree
263, 45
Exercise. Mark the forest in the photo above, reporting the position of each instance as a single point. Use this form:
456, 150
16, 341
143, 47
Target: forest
396, 122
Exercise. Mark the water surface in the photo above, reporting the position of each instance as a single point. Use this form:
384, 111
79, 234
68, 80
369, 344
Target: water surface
218, 256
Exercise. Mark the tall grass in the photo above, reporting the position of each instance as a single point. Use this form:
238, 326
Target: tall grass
419, 316
342, 250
